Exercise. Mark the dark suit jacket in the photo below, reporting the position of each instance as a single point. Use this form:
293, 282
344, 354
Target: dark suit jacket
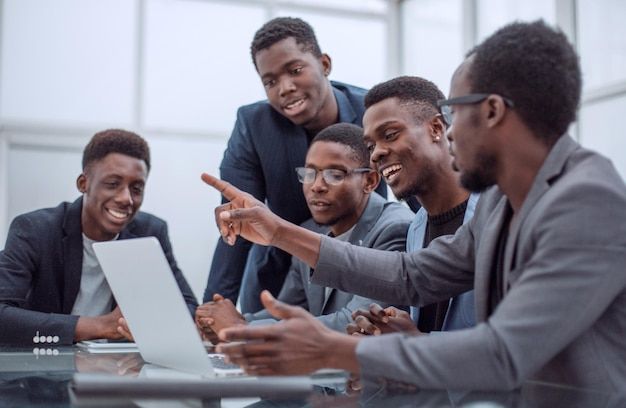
383, 225
41, 267
262, 154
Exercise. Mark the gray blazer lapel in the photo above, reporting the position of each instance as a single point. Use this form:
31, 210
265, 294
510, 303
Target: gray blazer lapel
316, 298
485, 258
373, 209
551, 168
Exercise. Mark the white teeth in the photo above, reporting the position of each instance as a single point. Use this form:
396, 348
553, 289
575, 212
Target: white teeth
294, 104
391, 170
118, 214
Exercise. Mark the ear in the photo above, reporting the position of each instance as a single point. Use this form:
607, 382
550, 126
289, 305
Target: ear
81, 183
496, 110
372, 179
327, 64
437, 128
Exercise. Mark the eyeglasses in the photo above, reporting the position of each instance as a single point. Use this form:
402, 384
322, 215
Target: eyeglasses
446, 111
307, 175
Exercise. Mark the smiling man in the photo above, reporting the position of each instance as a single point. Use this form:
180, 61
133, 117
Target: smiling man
338, 186
52, 289
269, 140
544, 252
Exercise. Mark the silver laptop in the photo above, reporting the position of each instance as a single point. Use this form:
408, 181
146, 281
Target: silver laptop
144, 287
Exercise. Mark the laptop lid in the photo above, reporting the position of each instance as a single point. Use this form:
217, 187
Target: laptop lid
144, 287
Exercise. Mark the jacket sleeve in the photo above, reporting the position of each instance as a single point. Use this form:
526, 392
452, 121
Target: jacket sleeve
242, 168
392, 237
20, 262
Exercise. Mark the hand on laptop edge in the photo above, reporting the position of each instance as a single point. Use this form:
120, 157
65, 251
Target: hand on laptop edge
99, 327
281, 349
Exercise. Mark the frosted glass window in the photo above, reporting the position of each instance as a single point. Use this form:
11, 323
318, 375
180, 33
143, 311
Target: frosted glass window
493, 14
432, 40
68, 61
601, 132
361, 5
41, 177
357, 46
197, 66
602, 42
175, 193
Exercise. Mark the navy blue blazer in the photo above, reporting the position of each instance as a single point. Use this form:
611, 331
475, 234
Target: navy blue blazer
41, 268
262, 153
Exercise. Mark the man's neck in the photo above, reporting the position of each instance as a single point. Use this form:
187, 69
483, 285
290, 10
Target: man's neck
520, 164
446, 194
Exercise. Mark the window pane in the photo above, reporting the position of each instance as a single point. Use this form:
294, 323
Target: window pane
356, 45
432, 40
600, 131
361, 5
198, 69
68, 61
493, 14
602, 42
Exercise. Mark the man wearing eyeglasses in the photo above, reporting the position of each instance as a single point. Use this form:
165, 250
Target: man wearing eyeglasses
545, 251
338, 186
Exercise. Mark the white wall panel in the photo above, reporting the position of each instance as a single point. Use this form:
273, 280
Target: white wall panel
197, 65
357, 46
68, 61
432, 40
600, 131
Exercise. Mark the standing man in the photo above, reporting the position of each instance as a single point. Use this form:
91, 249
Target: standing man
545, 251
338, 185
52, 288
269, 140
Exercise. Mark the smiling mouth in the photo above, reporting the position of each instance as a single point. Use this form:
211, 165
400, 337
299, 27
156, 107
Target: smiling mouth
118, 215
390, 173
294, 105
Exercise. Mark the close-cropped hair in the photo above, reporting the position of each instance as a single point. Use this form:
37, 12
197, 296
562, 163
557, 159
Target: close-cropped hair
536, 67
418, 94
280, 28
116, 141
348, 135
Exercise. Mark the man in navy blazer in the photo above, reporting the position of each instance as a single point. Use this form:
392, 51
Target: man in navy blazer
52, 289
269, 140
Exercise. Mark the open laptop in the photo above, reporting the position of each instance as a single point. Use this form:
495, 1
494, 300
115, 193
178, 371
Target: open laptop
144, 287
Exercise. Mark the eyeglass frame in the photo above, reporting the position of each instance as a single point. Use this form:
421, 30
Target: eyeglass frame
346, 173
469, 99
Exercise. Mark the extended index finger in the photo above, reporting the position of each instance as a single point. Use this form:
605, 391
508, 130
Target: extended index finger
229, 191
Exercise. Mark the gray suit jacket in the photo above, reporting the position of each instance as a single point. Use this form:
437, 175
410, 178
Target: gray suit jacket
563, 315
383, 225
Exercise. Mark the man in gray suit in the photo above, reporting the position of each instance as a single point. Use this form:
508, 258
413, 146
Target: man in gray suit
338, 186
545, 251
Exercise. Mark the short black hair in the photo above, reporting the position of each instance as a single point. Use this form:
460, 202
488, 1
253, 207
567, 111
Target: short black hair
536, 67
116, 141
348, 135
280, 28
418, 94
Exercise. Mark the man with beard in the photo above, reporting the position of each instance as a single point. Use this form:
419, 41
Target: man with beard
338, 185
544, 252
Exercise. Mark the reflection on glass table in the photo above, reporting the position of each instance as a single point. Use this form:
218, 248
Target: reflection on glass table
43, 378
